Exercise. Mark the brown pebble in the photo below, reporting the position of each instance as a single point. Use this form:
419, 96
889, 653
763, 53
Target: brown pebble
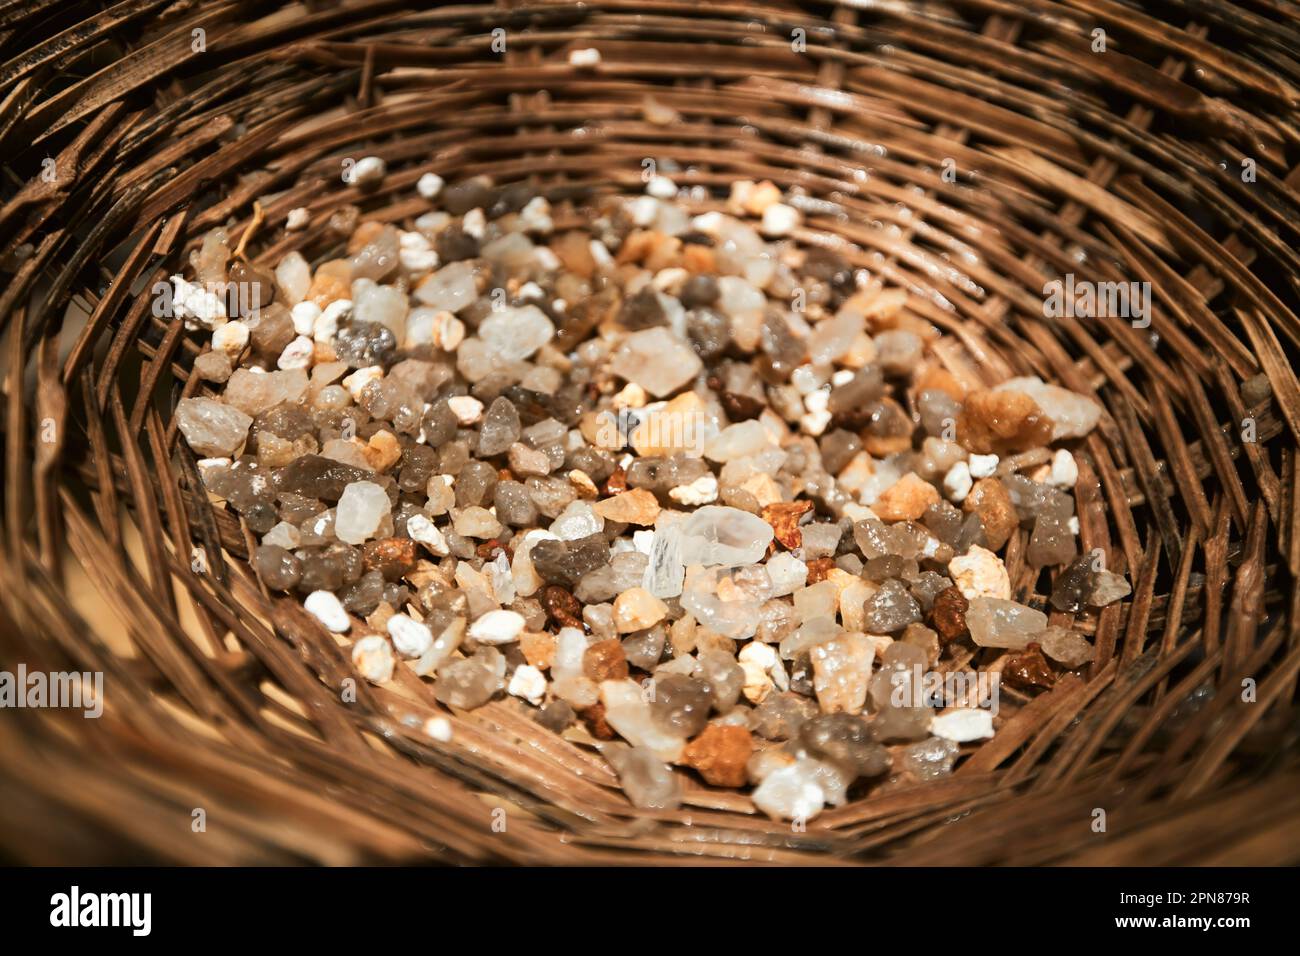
594, 718
906, 499
605, 660
561, 606
990, 500
391, 557
720, 754
819, 569
1001, 422
784, 517
638, 506
488, 549
616, 484
949, 614
538, 648
1028, 669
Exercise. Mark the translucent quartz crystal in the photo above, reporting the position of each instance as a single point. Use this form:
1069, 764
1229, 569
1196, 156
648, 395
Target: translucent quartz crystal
627, 710
362, 509
212, 429
994, 622
515, 334
657, 360
648, 782
718, 535
722, 605
841, 670
845, 741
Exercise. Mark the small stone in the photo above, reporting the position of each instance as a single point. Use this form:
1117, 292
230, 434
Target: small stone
791, 793
906, 499
990, 499
636, 609
957, 482
372, 656
648, 782
963, 725
841, 671
784, 518
846, 741
605, 660
1028, 669
476, 522
681, 704
701, 491
656, 360
1107, 588
720, 754
627, 711
1064, 645
325, 607
528, 683
362, 508
890, 609
212, 429
514, 334
1002, 422
500, 429
471, 682
716, 535
411, 638
930, 759
994, 622
949, 614
637, 506
1051, 544
466, 408
393, 558
422, 530
980, 573
278, 569
497, 627
757, 661
1065, 470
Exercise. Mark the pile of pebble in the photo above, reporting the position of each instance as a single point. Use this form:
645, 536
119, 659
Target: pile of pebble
690, 488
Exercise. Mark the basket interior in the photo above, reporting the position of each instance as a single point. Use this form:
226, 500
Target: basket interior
969, 152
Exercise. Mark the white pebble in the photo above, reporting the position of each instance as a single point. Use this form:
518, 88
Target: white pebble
536, 216
304, 316
779, 220
429, 185
474, 224
297, 354
411, 638
297, 219
497, 627
982, 466
327, 609
421, 529
466, 408
644, 540
957, 483
600, 253
230, 338
963, 725
327, 323
356, 382
439, 728
642, 210
1065, 470
528, 683
372, 656
699, 492
661, 187
367, 171
587, 57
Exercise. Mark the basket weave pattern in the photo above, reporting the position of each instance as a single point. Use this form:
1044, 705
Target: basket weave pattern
1124, 165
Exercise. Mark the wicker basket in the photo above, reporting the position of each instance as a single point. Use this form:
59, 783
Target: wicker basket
973, 151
